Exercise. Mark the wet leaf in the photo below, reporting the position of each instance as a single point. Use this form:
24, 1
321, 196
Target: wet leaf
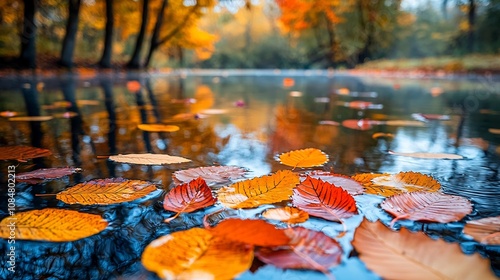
404, 123
65, 115
40, 175
427, 206
428, 155
258, 191
325, 200
345, 182
196, 254
51, 224
290, 215
494, 130
148, 159
486, 230
407, 255
254, 232
304, 158
387, 184
22, 153
378, 135
158, 127
359, 124
106, 191
31, 119
189, 197
211, 174
308, 249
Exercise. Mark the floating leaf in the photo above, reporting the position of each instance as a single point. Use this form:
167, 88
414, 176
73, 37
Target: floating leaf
189, 197
387, 185
486, 230
65, 115
350, 185
158, 127
211, 174
106, 191
359, 124
148, 159
196, 254
31, 119
258, 191
254, 232
431, 117
39, 175
494, 130
427, 206
51, 224
328, 122
404, 123
213, 111
378, 135
304, 158
325, 200
428, 155
22, 153
406, 255
290, 215
86, 102
308, 249
8, 114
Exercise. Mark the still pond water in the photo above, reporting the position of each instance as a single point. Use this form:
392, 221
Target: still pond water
243, 119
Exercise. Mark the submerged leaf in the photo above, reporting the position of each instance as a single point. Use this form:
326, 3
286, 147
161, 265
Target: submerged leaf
428, 155
148, 159
211, 174
158, 127
258, 191
304, 158
486, 230
22, 153
50, 224
39, 175
345, 182
196, 254
407, 255
106, 191
287, 214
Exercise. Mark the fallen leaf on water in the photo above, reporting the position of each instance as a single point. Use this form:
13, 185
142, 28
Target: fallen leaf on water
494, 130
258, 191
213, 111
31, 119
148, 159
51, 224
8, 114
158, 127
84, 102
486, 230
404, 123
40, 175
106, 191
211, 174
347, 183
253, 232
188, 197
428, 155
289, 215
407, 255
427, 206
378, 135
22, 153
196, 254
65, 115
359, 124
304, 158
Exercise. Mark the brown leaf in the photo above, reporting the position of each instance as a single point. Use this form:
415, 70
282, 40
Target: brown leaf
211, 174
486, 230
22, 153
39, 175
148, 159
158, 127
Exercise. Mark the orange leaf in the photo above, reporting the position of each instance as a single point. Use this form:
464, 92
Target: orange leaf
287, 214
304, 158
31, 119
196, 254
211, 174
258, 191
39, 175
308, 249
345, 182
158, 127
22, 153
188, 197
425, 206
407, 255
254, 232
325, 200
486, 230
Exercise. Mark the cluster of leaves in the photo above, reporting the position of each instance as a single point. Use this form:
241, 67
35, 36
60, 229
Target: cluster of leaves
198, 252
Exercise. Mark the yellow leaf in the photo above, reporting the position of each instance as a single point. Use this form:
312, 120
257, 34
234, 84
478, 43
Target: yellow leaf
158, 127
257, 191
50, 224
304, 158
290, 215
106, 191
148, 159
196, 254
387, 184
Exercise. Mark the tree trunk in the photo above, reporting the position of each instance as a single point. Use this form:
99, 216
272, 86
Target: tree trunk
69, 41
156, 33
135, 60
105, 61
27, 58
471, 18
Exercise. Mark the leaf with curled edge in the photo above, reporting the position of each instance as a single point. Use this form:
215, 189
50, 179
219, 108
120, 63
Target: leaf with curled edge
407, 255
188, 197
486, 230
40, 175
258, 191
347, 183
22, 153
211, 174
196, 254
106, 191
425, 206
304, 158
148, 159
307, 249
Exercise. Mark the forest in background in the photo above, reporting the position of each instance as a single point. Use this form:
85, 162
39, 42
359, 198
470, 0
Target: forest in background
301, 34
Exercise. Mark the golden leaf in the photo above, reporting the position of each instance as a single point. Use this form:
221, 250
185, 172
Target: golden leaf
106, 191
196, 254
407, 255
387, 185
51, 224
486, 230
158, 127
257, 191
304, 158
148, 159
290, 215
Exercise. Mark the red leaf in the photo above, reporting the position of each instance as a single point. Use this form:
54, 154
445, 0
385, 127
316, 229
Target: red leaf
325, 200
39, 175
22, 153
188, 197
254, 232
350, 185
308, 249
